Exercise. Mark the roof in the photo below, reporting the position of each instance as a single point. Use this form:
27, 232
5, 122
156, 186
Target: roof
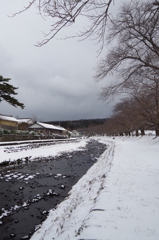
8, 118
49, 126
25, 120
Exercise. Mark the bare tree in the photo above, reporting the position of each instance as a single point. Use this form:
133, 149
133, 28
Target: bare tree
141, 110
134, 34
144, 89
64, 13
128, 114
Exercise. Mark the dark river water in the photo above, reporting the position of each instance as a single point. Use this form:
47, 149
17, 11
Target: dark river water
29, 190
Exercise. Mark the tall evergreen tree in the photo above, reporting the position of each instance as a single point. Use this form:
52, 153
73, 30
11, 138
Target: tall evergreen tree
7, 91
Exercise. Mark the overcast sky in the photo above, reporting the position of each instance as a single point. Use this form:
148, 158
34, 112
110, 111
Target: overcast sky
55, 81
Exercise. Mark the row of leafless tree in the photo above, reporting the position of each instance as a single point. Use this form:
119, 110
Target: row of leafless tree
134, 62
138, 112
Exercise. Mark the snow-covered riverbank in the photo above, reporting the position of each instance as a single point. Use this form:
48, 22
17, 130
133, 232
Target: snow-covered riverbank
31, 188
118, 198
14, 152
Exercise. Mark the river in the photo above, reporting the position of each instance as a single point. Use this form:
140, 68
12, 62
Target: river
29, 190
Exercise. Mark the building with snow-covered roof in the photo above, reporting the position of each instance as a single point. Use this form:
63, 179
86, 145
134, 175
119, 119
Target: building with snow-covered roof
8, 122
24, 123
29, 121
47, 129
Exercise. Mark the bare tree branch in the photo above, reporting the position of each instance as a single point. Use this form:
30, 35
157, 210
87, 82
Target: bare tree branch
65, 12
136, 45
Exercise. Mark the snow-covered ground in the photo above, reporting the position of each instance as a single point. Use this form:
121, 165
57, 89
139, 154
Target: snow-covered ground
118, 198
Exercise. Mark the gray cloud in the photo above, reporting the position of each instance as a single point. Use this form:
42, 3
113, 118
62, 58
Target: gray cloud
56, 81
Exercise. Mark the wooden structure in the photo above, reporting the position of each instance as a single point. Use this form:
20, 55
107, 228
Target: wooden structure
8, 122
24, 123
47, 129
29, 121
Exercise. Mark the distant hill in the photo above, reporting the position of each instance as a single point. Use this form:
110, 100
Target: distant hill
85, 126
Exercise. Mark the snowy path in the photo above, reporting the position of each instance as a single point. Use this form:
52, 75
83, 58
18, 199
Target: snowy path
117, 199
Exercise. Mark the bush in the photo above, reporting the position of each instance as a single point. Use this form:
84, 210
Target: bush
7, 131
32, 133
1, 131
